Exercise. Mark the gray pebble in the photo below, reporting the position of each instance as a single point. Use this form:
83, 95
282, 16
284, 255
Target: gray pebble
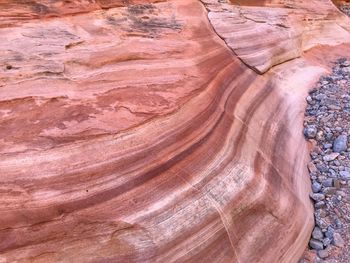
330, 157
338, 223
328, 182
340, 143
322, 167
320, 204
316, 187
310, 131
317, 233
327, 145
329, 233
322, 253
315, 244
317, 197
329, 136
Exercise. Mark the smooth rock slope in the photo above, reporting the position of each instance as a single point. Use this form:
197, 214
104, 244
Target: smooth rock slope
132, 131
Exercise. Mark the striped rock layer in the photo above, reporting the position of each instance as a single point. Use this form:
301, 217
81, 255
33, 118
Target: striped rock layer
137, 131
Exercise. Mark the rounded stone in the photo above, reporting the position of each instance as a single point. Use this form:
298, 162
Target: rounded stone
316, 187
317, 197
310, 131
328, 182
316, 244
340, 143
322, 253
317, 233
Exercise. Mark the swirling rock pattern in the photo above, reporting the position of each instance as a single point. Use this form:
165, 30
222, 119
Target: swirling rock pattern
263, 37
135, 134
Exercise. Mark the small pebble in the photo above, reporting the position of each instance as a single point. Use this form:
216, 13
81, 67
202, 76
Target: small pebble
340, 143
328, 182
316, 244
330, 157
310, 131
317, 233
316, 187
322, 253
317, 197
329, 233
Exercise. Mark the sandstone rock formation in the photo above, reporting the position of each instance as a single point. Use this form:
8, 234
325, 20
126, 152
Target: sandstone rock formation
136, 131
291, 26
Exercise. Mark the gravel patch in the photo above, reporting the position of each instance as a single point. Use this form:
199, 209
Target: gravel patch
327, 126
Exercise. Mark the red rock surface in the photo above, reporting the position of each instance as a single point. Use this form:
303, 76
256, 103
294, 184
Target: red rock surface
135, 134
273, 32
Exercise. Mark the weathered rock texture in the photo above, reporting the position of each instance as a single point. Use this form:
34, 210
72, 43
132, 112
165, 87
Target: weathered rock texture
136, 134
263, 37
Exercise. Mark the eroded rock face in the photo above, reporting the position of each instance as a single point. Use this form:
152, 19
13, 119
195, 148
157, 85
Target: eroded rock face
13, 12
135, 134
269, 33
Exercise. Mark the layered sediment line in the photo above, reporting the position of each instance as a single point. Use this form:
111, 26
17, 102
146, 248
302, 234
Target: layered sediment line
15, 12
267, 33
135, 134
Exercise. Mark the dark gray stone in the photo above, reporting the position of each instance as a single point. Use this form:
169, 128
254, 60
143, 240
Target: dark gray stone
310, 131
327, 145
340, 143
328, 182
322, 167
329, 136
316, 244
338, 223
317, 197
316, 187
329, 233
